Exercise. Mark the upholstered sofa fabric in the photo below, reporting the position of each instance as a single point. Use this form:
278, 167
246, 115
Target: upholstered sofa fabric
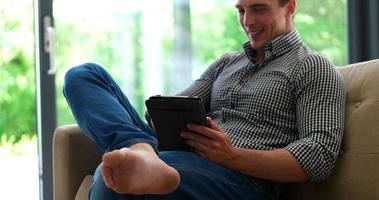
74, 157
357, 171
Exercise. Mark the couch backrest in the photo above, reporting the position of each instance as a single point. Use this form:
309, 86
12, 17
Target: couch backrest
357, 171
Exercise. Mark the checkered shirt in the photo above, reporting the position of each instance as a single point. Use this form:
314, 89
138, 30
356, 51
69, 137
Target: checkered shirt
294, 100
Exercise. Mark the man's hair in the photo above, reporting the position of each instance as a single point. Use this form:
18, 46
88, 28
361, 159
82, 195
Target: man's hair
283, 2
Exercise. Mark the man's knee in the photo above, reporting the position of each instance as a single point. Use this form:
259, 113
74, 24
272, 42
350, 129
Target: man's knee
75, 76
81, 71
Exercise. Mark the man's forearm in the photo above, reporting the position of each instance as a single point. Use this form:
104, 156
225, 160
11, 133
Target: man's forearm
277, 165
214, 144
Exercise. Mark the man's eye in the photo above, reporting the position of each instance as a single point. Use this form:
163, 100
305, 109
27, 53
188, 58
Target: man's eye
240, 11
259, 8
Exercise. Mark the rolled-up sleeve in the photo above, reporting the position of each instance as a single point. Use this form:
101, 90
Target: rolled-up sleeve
321, 95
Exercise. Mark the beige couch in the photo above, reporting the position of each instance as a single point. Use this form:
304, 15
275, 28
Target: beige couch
357, 172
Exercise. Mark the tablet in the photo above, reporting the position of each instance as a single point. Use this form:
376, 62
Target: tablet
170, 115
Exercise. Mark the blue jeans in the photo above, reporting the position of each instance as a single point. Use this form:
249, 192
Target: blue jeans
106, 116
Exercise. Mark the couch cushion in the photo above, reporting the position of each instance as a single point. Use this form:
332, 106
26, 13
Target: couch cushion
82, 193
75, 156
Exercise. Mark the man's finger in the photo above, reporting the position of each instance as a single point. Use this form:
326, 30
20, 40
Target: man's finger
212, 124
198, 146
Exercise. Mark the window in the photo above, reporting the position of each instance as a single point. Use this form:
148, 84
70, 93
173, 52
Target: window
18, 144
159, 47
322, 25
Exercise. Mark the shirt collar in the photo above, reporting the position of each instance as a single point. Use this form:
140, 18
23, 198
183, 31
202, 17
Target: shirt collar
275, 47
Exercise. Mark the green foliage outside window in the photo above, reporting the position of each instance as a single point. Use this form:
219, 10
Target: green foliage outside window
17, 83
322, 25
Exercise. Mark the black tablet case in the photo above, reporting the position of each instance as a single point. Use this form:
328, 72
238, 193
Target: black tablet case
170, 115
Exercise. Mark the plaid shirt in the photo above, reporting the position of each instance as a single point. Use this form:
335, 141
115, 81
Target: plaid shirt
294, 100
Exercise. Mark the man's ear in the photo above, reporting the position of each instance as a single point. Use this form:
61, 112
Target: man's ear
291, 8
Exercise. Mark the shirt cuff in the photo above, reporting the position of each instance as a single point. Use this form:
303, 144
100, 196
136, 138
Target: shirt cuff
317, 162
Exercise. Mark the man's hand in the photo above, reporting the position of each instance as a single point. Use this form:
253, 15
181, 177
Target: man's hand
210, 142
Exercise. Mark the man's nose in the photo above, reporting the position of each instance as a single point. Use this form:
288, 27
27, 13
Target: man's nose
248, 19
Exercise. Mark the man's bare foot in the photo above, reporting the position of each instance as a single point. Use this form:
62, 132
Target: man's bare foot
133, 171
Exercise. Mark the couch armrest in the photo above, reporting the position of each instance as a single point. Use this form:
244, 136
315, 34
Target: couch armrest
74, 157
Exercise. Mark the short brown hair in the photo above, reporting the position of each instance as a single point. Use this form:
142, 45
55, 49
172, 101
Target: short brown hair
283, 2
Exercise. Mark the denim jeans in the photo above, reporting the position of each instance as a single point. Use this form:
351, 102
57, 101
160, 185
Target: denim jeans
106, 116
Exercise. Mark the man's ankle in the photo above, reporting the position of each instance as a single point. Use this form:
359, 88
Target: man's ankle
142, 147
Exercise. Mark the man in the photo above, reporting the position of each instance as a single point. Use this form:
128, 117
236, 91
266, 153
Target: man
276, 115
